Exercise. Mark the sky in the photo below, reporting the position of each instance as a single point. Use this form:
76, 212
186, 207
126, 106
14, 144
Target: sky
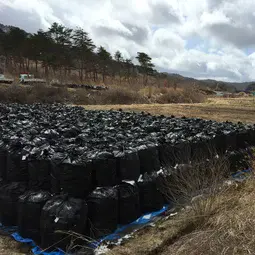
204, 39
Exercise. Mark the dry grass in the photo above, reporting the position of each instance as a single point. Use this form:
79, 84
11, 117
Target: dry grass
181, 96
118, 95
236, 109
189, 181
163, 95
42, 93
33, 94
221, 221
229, 231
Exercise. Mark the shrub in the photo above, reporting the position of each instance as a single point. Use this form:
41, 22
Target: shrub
13, 94
120, 96
115, 95
34, 94
44, 94
82, 96
181, 96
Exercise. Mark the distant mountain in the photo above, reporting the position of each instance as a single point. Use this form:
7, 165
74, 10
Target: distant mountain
239, 86
209, 83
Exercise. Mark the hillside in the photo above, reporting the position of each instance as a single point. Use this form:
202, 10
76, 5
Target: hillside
76, 57
213, 84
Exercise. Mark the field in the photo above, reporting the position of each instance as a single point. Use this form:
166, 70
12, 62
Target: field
180, 235
219, 109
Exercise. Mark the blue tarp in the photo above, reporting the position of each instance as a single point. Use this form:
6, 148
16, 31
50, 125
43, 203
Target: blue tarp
242, 175
145, 219
36, 250
12, 231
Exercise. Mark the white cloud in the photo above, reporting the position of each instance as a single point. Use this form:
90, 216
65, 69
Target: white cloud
164, 29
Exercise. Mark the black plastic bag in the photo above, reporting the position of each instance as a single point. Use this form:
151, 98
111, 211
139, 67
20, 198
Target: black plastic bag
128, 165
129, 202
200, 150
9, 196
17, 168
219, 142
62, 214
242, 139
29, 213
104, 169
151, 198
230, 138
149, 159
166, 155
3, 159
238, 160
164, 182
171, 154
39, 174
55, 169
251, 134
103, 211
72, 178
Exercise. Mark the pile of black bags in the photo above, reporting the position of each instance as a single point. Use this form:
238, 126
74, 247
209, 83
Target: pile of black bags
103, 211
60, 215
30, 206
9, 198
66, 169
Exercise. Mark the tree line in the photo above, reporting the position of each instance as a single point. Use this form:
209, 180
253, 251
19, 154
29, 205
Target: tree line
61, 51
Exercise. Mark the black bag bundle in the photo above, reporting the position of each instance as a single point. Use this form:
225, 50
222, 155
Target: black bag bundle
17, 168
104, 169
219, 142
171, 154
230, 138
165, 183
3, 158
149, 159
103, 211
251, 134
151, 198
166, 155
128, 165
238, 160
200, 149
129, 202
62, 213
56, 162
9, 196
242, 139
29, 213
16, 164
39, 174
39, 168
73, 178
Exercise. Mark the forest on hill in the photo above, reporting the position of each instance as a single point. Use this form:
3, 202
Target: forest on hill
70, 54
61, 50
